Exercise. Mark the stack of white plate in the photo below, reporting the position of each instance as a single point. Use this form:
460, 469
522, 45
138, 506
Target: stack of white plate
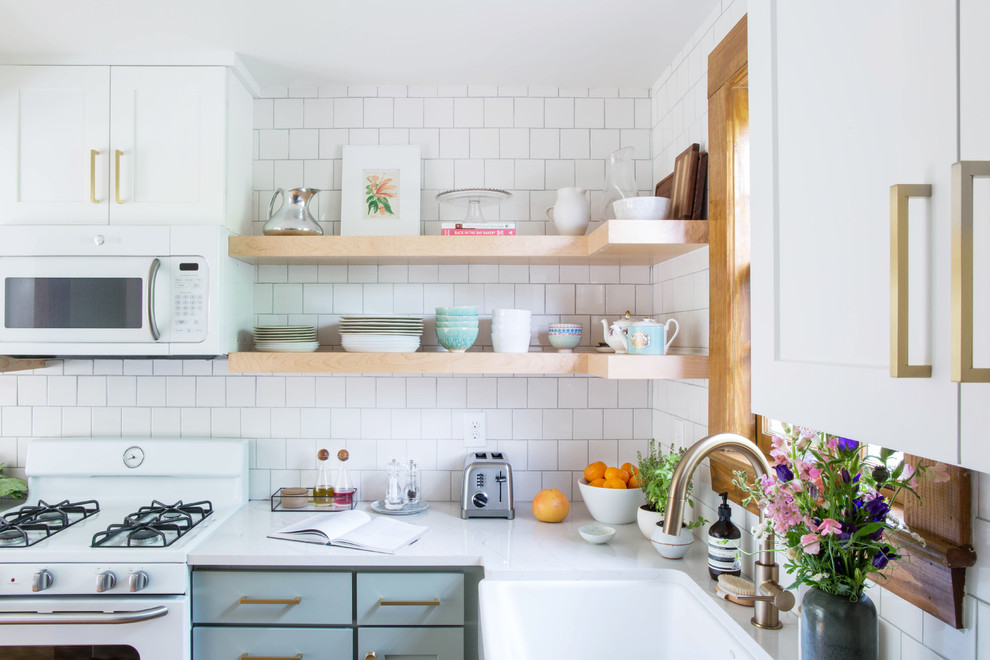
285, 338
380, 334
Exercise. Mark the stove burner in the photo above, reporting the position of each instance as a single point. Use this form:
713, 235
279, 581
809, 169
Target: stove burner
158, 525
33, 523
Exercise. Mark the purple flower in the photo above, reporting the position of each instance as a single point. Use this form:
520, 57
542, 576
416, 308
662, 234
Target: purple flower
884, 555
845, 475
877, 509
845, 444
783, 473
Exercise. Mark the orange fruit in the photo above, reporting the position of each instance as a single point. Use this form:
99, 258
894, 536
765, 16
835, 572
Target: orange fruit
597, 483
594, 471
616, 473
633, 482
615, 482
628, 468
550, 505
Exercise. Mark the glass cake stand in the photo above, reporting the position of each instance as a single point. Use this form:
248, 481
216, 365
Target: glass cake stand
474, 199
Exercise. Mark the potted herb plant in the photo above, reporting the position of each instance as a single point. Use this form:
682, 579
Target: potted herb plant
656, 468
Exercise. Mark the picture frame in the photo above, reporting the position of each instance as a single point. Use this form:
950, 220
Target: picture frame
380, 191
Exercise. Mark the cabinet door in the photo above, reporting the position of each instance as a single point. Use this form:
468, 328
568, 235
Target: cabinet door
846, 101
54, 134
974, 133
169, 129
215, 643
411, 643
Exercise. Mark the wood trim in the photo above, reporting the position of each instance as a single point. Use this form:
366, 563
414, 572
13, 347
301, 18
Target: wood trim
728, 57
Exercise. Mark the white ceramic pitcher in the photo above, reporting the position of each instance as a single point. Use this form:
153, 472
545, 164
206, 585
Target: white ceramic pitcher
572, 212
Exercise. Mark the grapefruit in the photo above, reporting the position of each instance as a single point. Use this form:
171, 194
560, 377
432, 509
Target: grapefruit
550, 505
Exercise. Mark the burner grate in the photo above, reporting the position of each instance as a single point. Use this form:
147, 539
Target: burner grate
31, 524
158, 525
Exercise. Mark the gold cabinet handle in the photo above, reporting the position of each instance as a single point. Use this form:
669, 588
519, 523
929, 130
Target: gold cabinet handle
93, 153
409, 603
899, 367
270, 601
117, 153
370, 655
247, 656
961, 368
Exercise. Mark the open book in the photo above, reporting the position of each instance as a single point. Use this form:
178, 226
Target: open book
352, 529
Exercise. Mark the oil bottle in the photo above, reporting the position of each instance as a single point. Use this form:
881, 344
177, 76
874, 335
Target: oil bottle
323, 491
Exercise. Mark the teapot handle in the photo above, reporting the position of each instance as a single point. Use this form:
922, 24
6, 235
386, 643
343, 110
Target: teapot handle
670, 340
271, 203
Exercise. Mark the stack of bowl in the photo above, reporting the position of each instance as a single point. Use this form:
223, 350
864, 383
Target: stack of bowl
457, 327
564, 336
511, 330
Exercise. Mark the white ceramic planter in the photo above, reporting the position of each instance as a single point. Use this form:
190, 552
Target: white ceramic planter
647, 520
669, 546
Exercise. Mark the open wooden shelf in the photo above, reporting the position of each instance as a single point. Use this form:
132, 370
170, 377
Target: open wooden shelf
17, 364
602, 365
626, 242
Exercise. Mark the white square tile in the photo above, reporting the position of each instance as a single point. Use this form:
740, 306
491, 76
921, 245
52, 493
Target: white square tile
544, 143
61, 390
530, 174
378, 113
406, 424
639, 140
484, 142
347, 299
617, 423
589, 174
575, 143
572, 392
499, 112
576, 275
528, 113
287, 298
435, 424
259, 420
300, 391
348, 113
271, 453
572, 454
330, 392
604, 142
559, 113
468, 174
407, 298
264, 114
454, 143
531, 297
589, 113
119, 391
46, 421
452, 392
273, 144
317, 113
560, 174
180, 391
240, 391
603, 393
332, 141
363, 136
288, 173
589, 298
514, 142
195, 422
304, 143
469, 295
513, 274
438, 113
345, 423
588, 425
560, 299
360, 392
409, 112
15, 421
620, 298
901, 613
270, 391
558, 425
500, 174
482, 393
527, 425
541, 392
376, 425
378, 299
211, 391
288, 113
422, 90
390, 392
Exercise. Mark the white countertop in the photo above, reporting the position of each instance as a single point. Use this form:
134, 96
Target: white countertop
523, 548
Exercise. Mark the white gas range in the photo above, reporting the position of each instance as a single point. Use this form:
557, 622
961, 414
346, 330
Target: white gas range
97, 555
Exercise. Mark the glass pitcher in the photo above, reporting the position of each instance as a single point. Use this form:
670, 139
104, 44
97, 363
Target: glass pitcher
620, 180
293, 217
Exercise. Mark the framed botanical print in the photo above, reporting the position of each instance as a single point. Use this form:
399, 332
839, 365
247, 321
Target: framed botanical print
380, 191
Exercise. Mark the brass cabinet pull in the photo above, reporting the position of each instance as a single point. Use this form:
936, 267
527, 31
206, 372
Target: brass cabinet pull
117, 153
370, 655
962, 369
899, 367
270, 601
93, 153
246, 656
409, 603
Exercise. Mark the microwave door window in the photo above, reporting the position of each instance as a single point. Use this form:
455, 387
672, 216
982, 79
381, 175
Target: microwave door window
73, 302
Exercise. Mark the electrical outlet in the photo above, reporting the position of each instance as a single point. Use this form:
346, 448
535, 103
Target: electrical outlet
474, 429
679, 433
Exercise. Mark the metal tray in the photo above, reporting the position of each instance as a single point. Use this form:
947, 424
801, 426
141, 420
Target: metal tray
343, 501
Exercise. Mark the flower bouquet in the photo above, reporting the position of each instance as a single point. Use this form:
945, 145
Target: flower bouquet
826, 506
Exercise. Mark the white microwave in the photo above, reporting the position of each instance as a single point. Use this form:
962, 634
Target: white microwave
122, 291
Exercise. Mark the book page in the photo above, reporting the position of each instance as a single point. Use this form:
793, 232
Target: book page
323, 527
381, 535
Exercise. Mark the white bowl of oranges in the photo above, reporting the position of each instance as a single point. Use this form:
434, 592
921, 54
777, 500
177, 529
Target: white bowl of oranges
611, 494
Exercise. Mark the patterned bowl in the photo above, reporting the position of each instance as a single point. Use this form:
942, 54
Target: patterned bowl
457, 340
564, 343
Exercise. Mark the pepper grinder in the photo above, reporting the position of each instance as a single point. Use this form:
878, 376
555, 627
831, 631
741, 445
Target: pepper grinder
394, 497
412, 484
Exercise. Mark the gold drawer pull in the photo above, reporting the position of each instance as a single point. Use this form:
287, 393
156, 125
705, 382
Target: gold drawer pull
270, 601
409, 603
245, 656
117, 153
899, 367
961, 366
370, 655
93, 153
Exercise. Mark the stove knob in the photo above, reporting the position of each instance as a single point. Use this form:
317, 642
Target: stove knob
138, 581
105, 581
42, 580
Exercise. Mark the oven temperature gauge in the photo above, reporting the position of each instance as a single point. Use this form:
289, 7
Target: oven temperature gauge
133, 457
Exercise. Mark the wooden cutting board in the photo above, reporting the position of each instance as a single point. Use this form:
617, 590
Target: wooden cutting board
685, 183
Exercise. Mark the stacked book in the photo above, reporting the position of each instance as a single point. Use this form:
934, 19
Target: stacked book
477, 229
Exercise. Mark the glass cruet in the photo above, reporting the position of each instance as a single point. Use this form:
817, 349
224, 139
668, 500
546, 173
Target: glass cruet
620, 180
323, 490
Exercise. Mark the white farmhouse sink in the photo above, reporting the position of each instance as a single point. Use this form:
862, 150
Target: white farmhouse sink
667, 616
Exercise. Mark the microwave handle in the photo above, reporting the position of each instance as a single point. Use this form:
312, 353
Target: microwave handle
156, 264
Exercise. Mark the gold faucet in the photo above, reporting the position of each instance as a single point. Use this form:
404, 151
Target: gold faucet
772, 598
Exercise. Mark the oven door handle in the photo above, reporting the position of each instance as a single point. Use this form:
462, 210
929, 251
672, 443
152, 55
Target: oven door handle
80, 618
152, 280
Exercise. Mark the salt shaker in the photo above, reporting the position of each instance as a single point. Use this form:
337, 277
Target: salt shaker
395, 498
412, 484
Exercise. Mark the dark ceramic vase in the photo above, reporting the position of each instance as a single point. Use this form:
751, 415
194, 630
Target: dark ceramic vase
836, 628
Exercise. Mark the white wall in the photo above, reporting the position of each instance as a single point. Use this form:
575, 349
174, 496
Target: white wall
680, 118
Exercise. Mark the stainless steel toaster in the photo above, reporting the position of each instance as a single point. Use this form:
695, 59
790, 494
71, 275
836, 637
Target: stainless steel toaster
486, 491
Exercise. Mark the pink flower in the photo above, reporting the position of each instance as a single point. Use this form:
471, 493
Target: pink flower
938, 473
909, 477
811, 524
830, 526
810, 544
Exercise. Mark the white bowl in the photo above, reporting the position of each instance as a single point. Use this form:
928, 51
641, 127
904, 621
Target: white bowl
596, 534
669, 546
641, 208
506, 314
612, 506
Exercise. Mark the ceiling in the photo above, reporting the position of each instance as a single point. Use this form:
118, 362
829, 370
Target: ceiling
584, 43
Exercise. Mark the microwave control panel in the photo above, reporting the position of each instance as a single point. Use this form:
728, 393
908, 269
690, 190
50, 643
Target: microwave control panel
190, 293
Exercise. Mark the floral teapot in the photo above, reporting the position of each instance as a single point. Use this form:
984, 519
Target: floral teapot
615, 333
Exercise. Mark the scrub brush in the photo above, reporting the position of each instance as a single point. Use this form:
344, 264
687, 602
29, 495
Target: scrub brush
731, 587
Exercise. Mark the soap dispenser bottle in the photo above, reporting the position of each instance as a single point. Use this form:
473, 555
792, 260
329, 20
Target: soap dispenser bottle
723, 543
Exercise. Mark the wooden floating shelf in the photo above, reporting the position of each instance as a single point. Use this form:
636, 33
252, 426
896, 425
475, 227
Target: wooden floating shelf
624, 242
17, 364
602, 365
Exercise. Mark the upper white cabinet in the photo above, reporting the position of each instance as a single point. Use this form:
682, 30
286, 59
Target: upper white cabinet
124, 145
846, 102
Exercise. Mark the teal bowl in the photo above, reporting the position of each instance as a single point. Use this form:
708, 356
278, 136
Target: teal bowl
457, 311
453, 317
457, 324
457, 340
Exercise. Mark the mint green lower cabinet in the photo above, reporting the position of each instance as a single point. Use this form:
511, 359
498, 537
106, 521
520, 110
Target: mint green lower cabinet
237, 643
411, 643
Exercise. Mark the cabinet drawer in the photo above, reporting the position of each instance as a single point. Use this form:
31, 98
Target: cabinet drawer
299, 597
237, 643
419, 599
411, 643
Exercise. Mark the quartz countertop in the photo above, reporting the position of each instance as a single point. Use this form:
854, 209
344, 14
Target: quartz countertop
523, 548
